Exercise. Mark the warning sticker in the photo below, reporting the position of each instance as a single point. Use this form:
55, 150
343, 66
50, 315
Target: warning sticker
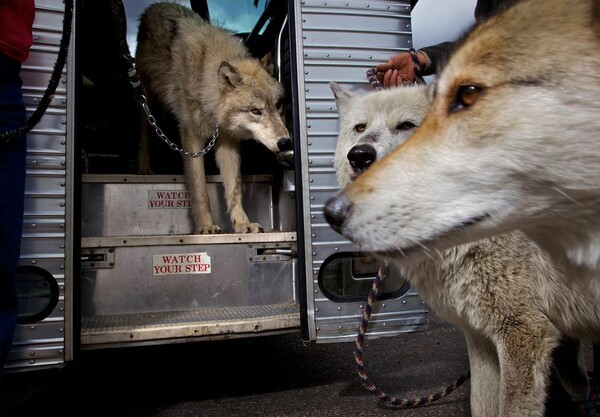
179, 264
158, 199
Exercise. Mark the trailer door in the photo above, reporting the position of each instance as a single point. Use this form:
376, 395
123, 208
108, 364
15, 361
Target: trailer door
340, 40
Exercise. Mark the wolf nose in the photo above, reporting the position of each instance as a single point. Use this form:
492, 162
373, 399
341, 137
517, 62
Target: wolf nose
362, 156
284, 144
336, 211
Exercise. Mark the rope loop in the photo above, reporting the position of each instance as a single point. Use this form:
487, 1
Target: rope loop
360, 366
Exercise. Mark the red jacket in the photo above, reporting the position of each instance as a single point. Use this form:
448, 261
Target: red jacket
16, 21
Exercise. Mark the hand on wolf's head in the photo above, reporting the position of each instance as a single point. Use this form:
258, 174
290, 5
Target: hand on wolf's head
399, 70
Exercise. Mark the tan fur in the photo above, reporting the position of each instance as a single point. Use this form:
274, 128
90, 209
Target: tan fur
503, 292
205, 76
524, 154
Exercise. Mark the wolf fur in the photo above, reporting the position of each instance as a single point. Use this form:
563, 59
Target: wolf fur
205, 76
503, 292
512, 141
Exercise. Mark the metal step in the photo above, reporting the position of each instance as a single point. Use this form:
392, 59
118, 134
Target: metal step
184, 326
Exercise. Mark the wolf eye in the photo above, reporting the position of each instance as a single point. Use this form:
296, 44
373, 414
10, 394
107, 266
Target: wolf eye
466, 96
255, 111
360, 127
278, 105
406, 125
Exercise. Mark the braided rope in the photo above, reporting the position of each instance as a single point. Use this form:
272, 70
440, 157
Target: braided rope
359, 351
360, 368
372, 77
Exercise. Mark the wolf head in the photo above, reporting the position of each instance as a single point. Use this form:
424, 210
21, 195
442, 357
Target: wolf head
252, 104
373, 124
511, 141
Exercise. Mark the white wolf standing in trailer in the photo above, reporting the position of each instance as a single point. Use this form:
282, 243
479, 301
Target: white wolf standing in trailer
205, 76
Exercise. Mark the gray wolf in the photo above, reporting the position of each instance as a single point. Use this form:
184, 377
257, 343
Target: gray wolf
512, 141
503, 292
205, 76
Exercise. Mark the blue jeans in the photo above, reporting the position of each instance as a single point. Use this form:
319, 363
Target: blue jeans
12, 192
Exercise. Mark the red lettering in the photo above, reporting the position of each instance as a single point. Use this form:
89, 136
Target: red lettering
198, 268
167, 269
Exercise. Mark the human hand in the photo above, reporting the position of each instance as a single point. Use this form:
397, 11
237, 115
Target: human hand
400, 69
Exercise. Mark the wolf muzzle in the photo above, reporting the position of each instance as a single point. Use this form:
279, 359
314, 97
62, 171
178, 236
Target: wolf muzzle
336, 211
361, 157
284, 144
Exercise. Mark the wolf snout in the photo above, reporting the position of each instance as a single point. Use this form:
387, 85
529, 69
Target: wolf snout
337, 209
362, 156
284, 144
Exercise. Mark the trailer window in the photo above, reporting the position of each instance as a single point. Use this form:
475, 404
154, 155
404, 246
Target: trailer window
349, 277
38, 294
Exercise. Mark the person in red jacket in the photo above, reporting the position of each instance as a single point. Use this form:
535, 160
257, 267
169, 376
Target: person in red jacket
16, 22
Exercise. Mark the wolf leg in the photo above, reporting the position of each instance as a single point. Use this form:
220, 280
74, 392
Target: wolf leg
525, 352
229, 161
485, 375
196, 183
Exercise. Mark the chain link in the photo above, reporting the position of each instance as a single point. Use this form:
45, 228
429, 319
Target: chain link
173, 146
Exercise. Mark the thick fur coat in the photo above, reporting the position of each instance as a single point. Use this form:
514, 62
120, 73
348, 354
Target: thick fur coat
513, 305
206, 77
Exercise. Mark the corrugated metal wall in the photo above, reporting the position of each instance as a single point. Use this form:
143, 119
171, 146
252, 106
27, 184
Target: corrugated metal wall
339, 41
47, 205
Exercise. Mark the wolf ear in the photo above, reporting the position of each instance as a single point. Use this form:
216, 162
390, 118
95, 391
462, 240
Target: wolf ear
229, 77
267, 62
341, 95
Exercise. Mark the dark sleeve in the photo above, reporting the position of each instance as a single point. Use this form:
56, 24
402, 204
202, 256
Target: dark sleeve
438, 55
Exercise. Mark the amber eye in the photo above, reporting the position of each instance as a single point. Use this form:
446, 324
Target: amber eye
466, 96
360, 127
406, 125
255, 111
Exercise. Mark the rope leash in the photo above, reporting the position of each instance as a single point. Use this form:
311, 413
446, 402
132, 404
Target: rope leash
360, 368
372, 298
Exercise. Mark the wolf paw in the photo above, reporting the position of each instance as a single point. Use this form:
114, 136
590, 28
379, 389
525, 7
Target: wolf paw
208, 230
249, 228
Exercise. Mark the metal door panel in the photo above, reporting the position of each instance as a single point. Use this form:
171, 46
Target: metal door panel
339, 41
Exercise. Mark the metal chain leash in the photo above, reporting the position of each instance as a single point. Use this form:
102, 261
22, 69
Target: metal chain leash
118, 11
152, 120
